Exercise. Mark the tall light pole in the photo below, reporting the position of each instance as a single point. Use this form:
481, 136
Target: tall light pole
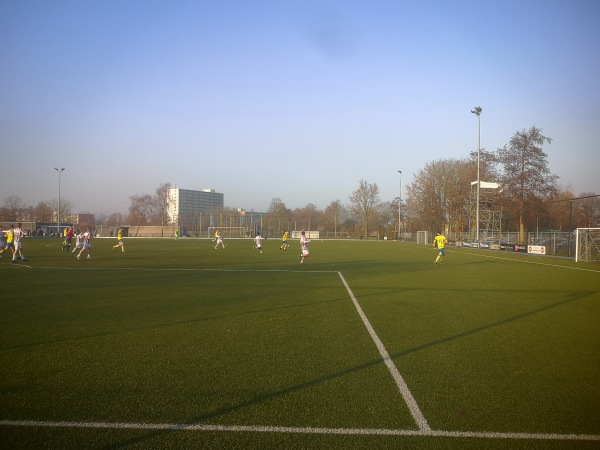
400, 205
477, 112
60, 171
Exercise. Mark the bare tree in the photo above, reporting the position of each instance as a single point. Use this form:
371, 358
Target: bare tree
161, 204
589, 210
334, 215
66, 207
114, 219
100, 218
42, 212
556, 214
526, 177
278, 208
13, 206
308, 218
387, 214
140, 210
438, 197
279, 216
364, 202
488, 169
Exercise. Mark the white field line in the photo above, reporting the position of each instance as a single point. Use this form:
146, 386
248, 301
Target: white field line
167, 269
298, 430
530, 262
461, 250
406, 394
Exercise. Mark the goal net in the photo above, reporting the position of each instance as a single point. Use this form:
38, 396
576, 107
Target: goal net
227, 232
587, 244
422, 237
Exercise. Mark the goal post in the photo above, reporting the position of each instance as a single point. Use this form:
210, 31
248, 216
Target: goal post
228, 232
587, 244
422, 237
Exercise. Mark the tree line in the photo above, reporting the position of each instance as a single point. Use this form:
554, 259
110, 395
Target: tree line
528, 197
438, 199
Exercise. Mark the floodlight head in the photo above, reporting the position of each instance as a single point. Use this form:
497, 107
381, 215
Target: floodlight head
477, 110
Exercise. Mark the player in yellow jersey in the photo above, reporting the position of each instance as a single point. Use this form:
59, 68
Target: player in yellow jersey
120, 239
284, 241
439, 241
2, 234
8, 241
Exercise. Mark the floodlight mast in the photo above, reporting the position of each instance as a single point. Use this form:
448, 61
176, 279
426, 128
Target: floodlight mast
60, 171
477, 111
400, 205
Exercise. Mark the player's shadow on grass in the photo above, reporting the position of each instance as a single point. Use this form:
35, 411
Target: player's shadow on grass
299, 387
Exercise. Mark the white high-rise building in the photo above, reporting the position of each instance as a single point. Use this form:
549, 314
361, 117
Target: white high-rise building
185, 205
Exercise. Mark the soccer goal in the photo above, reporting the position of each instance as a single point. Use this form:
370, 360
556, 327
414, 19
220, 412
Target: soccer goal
228, 232
587, 244
422, 237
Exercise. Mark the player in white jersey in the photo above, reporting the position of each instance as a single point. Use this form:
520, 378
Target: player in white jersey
18, 240
304, 247
258, 242
87, 245
78, 241
219, 239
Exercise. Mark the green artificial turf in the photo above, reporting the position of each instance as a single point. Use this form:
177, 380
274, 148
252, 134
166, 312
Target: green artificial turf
176, 332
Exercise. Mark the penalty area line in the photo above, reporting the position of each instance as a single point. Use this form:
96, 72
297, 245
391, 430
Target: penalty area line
298, 430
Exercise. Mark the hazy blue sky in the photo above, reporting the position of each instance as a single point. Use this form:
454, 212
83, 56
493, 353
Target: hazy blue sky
291, 99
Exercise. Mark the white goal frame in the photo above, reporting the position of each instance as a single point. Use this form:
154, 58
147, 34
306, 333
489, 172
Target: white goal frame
422, 237
587, 244
228, 232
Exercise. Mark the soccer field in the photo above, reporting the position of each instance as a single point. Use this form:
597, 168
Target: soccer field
174, 344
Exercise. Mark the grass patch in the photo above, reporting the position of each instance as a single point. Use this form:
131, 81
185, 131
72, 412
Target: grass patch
176, 332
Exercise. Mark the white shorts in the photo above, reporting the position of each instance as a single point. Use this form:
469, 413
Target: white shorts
18, 245
305, 253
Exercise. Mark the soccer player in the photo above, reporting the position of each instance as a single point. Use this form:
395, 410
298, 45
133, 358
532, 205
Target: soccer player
219, 239
120, 240
18, 241
439, 241
258, 243
68, 239
8, 235
87, 245
78, 240
304, 247
284, 241
2, 233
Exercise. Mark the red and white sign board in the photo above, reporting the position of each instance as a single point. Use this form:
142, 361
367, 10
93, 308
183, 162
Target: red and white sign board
536, 249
